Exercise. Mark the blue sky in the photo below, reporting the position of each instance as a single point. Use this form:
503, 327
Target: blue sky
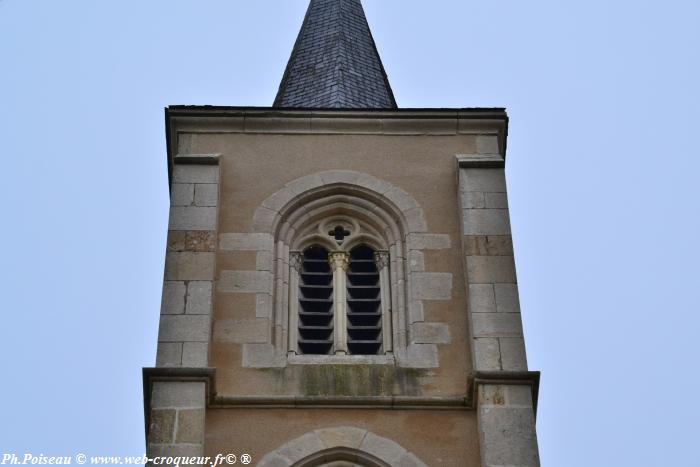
602, 172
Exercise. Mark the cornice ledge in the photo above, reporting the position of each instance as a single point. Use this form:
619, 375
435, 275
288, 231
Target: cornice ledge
174, 374
480, 161
198, 159
342, 402
507, 378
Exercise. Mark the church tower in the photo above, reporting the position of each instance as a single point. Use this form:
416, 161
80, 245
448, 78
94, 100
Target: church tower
339, 283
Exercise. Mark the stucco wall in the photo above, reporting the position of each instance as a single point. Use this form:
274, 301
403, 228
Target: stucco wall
437, 438
253, 167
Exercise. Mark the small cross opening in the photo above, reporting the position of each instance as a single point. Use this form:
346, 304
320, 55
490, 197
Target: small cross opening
339, 233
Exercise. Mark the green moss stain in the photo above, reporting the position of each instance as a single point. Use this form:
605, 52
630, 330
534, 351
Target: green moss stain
357, 380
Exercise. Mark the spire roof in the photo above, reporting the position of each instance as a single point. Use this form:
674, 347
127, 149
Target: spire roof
335, 63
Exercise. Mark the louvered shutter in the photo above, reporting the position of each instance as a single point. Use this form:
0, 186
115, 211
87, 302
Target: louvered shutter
316, 303
364, 303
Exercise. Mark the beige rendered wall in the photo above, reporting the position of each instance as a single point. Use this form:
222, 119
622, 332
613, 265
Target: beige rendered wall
436, 438
253, 167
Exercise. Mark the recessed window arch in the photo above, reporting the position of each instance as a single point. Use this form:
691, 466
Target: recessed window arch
339, 218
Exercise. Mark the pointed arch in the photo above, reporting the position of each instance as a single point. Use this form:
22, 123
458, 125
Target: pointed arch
328, 445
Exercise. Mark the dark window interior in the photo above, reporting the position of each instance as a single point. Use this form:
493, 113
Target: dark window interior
316, 303
364, 303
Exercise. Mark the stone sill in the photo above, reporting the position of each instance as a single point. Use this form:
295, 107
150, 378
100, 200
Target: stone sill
341, 360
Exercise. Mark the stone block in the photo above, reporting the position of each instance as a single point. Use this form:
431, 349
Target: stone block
246, 282
420, 356
416, 312
496, 201
497, 325
192, 218
189, 266
507, 300
416, 261
400, 199
243, 331
190, 426
278, 200
331, 177
190, 173
430, 333
206, 195
182, 194
183, 328
176, 241
173, 302
169, 354
262, 356
382, 448
200, 241
195, 354
519, 396
513, 354
473, 200
490, 269
301, 447
274, 460
263, 261
415, 219
246, 242
486, 222
409, 460
344, 436
373, 184
493, 395
304, 184
432, 286
429, 242
162, 426
487, 144
508, 437
487, 354
173, 452
178, 395
263, 306
482, 298
199, 298
492, 245
484, 180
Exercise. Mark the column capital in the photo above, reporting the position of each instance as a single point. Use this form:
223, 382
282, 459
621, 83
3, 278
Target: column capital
381, 259
296, 260
339, 260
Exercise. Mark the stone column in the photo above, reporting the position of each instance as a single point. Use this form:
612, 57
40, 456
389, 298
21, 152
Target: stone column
381, 259
339, 261
295, 265
505, 412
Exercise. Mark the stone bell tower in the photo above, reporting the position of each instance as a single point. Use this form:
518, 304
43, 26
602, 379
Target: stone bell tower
339, 284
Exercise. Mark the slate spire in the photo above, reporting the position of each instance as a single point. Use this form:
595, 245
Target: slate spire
335, 63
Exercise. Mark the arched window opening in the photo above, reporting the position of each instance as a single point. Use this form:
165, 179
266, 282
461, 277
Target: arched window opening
364, 303
315, 303
343, 301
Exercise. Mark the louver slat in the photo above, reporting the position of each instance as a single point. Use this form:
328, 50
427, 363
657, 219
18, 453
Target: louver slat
316, 303
364, 304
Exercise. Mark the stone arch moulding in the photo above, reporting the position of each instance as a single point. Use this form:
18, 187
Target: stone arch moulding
391, 220
350, 444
